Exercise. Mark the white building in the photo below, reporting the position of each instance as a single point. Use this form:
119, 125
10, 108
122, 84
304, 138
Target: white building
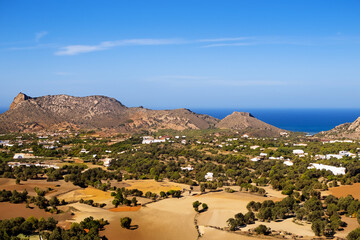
188, 168
107, 162
288, 163
209, 176
334, 170
254, 147
84, 151
298, 152
23, 156
149, 140
337, 156
255, 159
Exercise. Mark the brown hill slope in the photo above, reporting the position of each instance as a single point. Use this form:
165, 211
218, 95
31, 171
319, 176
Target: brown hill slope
346, 130
246, 123
58, 111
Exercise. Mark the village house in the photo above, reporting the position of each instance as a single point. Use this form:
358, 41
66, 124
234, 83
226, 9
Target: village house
23, 156
298, 152
209, 176
333, 169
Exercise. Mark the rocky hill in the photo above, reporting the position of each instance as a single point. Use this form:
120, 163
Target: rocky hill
246, 123
93, 112
60, 112
346, 130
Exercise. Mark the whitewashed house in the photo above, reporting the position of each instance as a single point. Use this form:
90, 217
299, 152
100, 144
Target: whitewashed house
209, 176
333, 169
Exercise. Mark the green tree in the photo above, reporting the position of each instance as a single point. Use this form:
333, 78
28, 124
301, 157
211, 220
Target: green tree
196, 205
125, 222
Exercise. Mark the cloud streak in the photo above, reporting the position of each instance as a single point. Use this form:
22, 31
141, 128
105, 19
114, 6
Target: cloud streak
77, 49
40, 35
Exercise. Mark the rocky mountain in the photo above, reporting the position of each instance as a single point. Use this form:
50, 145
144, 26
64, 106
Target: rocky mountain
346, 130
246, 123
60, 112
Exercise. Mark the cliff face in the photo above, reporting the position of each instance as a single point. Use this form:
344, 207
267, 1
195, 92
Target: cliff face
246, 123
346, 130
61, 111
19, 98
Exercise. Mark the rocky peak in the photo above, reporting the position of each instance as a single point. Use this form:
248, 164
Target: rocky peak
19, 98
243, 114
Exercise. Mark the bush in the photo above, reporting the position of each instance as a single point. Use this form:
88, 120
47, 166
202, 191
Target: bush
125, 222
262, 229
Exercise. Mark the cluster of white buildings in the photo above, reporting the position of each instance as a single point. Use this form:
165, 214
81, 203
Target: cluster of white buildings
24, 156
337, 156
334, 170
149, 140
18, 164
188, 168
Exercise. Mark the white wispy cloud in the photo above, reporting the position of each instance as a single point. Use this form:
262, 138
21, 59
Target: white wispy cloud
40, 35
77, 49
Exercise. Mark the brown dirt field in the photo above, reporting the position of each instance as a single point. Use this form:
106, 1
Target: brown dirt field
345, 190
10, 210
125, 209
29, 185
150, 185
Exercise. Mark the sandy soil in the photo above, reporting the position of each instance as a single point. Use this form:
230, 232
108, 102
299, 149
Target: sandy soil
286, 225
352, 224
150, 185
223, 205
345, 190
174, 218
215, 234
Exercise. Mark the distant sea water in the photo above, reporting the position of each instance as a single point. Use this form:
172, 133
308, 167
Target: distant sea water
299, 120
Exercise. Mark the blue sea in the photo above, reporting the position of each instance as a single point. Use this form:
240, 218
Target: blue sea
299, 120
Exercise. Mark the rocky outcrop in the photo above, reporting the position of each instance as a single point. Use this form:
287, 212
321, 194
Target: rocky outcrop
19, 98
246, 123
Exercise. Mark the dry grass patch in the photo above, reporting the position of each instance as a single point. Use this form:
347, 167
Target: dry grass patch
150, 185
88, 193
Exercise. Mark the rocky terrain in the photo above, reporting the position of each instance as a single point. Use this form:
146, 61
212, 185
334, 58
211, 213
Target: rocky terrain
246, 123
346, 130
60, 112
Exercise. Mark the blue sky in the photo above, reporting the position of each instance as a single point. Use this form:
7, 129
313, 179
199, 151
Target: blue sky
193, 54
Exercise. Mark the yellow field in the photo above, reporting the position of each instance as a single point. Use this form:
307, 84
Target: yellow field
150, 185
88, 193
